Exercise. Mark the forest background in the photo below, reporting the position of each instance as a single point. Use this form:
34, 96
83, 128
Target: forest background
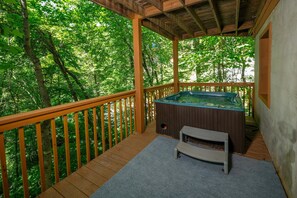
61, 51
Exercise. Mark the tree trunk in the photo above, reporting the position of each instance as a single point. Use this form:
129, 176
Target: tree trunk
219, 72
150, 79
198, 72
243, 70
152, 63
49, 44
46, 136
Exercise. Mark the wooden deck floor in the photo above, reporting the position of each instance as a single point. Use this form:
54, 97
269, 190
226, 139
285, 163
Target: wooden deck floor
86, 180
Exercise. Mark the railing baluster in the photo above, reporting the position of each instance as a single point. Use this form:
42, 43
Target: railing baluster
130, 117
77, 140
126, 121
87, 136
253, 101
249, 99
115, 121
134, 110
152, 105
67, 150
149, 107
109, 126
102, 128
55, 151
95, 132
5, 184
40, 157
23, 161
121, 119
243, 96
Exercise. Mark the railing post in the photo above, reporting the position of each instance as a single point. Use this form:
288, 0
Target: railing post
175, 65
138, 72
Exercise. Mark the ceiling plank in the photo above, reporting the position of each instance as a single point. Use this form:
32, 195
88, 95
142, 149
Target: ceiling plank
131, 5
157, 29
179, 22
157, 3
115, 7
158, 22
194, 16
169, 6
237, 15
215, 13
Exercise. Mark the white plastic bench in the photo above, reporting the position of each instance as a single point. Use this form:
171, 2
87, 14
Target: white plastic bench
203, 153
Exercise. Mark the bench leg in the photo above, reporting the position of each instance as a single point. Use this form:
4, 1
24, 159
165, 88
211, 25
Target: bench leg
226, 149
226, 168
176, 153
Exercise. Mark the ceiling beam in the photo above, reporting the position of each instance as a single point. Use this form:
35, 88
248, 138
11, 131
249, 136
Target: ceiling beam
237, 15
226, 30
264, 14
169, 6
163, 25
175, 19
215, 13
131, 5
157, 29
194, 16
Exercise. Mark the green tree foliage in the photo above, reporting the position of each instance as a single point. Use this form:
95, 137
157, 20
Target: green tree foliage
86, 51
217, 59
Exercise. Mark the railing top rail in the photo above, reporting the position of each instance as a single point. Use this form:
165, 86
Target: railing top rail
22, 119
157, 87
237, 84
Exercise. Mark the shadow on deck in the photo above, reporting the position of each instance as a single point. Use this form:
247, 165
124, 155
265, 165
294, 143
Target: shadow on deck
86, 180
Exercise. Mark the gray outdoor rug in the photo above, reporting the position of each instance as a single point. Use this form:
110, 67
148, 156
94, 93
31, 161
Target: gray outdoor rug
155, 173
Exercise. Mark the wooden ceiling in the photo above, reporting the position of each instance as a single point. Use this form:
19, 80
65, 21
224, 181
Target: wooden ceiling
185, 19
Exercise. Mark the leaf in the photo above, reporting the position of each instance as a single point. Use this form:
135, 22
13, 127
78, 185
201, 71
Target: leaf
10, 1
17, 33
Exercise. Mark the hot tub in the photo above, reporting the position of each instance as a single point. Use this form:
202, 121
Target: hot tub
219, 111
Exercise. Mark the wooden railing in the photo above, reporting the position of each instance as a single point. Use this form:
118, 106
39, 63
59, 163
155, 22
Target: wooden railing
245, 90
103, 121
153, 93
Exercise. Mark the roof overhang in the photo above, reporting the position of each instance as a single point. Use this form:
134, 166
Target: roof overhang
185, 19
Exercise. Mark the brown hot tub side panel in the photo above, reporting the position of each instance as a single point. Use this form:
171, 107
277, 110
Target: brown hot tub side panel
175, 117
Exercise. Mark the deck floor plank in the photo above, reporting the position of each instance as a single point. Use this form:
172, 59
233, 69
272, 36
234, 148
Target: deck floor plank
51, 193
109, 164
100, 169
81, 183
66, 189
91, 176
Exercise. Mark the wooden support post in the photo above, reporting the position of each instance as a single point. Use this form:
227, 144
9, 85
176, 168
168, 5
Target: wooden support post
138, 72
175, 65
